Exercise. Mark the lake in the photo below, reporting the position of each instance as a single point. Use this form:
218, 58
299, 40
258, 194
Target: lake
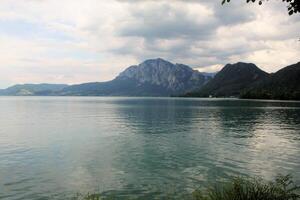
55, 147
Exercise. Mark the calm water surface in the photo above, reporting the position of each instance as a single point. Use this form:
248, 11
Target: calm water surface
54, 147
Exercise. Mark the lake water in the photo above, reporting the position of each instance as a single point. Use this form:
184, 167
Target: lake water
55, 147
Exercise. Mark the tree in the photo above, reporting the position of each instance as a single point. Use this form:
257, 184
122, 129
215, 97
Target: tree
293, 5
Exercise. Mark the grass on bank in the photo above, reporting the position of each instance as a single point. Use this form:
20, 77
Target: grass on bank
282, 188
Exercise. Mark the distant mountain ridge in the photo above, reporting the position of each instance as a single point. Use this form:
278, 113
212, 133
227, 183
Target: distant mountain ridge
231, 80
154, 77
32, 89
158, 77
209, 74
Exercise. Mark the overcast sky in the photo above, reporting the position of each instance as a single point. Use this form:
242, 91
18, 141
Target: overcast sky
75, 41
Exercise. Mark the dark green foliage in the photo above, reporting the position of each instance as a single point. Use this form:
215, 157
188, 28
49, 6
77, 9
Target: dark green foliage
284, 84
282, 188
248, 82
231, 80
95, 196
293, 5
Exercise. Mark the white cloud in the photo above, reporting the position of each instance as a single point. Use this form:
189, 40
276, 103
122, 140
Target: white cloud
75, 41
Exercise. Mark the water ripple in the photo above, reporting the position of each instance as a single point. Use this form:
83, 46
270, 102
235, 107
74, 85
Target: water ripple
52, 148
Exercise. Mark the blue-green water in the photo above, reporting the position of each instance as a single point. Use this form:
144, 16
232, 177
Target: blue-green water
54, 147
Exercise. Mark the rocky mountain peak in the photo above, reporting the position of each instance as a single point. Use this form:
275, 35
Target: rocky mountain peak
174, 77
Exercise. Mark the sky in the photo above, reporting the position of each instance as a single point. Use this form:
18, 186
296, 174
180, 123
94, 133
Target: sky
76, 41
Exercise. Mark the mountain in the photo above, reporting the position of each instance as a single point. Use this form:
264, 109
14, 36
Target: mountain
32, 89
158, 77
209, 74
155, 77
284, 84
231, 80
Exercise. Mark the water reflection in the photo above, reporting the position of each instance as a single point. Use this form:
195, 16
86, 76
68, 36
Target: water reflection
273, 150
140, 146
207, 144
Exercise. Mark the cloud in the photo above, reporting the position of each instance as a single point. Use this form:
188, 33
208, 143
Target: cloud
72, 41
160, 20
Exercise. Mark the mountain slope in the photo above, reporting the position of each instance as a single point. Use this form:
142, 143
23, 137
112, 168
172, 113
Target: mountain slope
155, 77
231, 80
32, 89
114, 88
209, 74
284, 84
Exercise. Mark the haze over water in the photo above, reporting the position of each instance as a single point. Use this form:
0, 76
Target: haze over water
54, 147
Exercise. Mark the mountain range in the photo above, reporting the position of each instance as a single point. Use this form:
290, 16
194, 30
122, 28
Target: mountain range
158, 77
247, 81
154, 77
32, 89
